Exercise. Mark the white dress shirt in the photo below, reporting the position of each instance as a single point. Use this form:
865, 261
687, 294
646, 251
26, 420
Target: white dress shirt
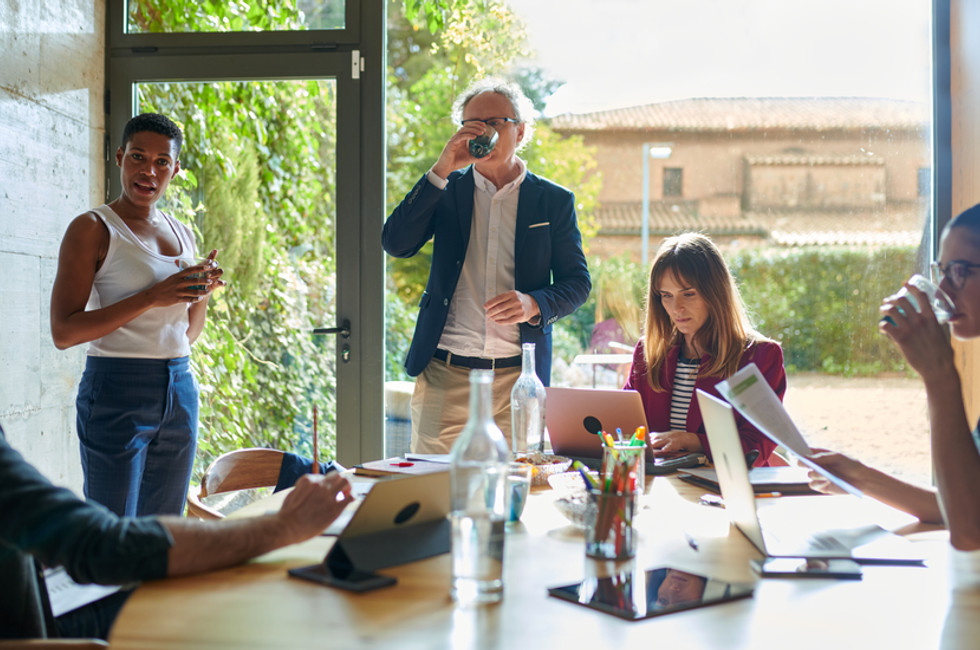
488, 271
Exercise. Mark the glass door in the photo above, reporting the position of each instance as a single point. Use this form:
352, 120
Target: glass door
273, 171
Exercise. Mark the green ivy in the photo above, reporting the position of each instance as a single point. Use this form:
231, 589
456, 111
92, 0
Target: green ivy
257, 184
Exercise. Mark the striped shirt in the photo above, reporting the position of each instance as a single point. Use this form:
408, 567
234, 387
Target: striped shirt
685, 376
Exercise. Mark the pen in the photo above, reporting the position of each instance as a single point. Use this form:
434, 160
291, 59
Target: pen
768, 495
589, 483
316, 461
639, 437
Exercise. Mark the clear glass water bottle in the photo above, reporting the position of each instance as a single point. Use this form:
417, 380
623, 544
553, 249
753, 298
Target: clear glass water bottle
478, 479
527, 407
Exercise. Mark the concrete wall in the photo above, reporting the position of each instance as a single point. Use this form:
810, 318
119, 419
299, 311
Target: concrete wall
51, 169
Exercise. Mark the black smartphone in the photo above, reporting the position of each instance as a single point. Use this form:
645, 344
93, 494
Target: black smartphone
351, 580
799, 567
673, 462
655, 592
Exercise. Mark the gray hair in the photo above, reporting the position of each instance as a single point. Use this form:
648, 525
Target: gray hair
523, 107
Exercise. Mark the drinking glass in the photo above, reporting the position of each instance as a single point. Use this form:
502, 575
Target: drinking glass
941, 303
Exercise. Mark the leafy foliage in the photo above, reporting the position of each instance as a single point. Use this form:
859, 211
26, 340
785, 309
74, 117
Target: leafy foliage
823, 304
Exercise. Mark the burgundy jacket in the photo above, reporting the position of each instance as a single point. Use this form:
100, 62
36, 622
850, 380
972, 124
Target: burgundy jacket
766, 355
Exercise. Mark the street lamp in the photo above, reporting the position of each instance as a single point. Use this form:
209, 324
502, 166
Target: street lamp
660, 150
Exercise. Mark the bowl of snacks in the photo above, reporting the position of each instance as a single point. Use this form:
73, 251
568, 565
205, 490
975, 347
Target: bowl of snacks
543, 465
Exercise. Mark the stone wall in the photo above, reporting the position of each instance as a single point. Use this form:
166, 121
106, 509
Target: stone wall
52, 79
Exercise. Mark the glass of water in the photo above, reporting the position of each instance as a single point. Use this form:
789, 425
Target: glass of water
941, 303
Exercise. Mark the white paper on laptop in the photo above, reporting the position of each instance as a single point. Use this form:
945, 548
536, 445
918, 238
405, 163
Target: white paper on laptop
749, 392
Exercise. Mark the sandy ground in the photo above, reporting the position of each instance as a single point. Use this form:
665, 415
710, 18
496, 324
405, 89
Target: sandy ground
881, 421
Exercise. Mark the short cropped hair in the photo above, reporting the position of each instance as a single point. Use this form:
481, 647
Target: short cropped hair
523, 107
968, 219
155, 123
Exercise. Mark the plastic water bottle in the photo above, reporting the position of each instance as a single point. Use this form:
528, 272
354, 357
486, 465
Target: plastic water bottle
478, 476
527, 407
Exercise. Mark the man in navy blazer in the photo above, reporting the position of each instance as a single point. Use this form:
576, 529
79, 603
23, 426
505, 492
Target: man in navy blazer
507, 262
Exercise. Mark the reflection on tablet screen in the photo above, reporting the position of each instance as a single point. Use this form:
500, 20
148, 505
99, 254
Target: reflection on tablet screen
649, 593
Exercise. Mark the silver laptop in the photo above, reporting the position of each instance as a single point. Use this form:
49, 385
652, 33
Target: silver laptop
574, 417
785, 537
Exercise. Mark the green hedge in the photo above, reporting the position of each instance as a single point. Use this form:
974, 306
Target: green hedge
822, 304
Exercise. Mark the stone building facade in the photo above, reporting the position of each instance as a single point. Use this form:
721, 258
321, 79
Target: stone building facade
761, 171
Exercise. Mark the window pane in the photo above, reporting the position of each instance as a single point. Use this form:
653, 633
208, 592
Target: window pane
808, 164
673, 181
257, 182
185, 16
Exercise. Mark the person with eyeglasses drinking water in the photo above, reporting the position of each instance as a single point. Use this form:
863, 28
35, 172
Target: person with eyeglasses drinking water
507, 262
922, 340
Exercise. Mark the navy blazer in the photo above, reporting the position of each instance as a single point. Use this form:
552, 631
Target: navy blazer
549, 263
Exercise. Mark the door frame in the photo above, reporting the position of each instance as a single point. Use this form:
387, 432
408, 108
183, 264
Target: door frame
355, 58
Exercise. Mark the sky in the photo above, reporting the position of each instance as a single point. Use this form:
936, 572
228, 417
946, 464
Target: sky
618, 53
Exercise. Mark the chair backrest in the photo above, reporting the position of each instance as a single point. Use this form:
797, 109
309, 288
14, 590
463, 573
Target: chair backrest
241, 469
53, 644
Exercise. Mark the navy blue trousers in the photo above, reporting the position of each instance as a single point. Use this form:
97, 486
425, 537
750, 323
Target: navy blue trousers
137, 428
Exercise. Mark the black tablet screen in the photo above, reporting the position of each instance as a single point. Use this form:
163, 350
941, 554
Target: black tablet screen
650, 593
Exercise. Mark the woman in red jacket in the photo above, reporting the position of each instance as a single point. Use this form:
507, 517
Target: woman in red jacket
697, 334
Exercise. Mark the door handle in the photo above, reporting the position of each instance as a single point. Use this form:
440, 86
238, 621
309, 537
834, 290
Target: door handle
343, 330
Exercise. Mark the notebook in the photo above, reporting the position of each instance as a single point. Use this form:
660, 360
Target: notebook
399, 465
788, 537
574, 417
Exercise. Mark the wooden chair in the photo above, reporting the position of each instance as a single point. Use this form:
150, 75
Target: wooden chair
241, 469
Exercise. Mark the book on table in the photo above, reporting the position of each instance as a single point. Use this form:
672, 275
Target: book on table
785, 480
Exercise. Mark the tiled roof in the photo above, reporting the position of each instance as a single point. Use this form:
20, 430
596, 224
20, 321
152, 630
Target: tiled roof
882, 227
811, 160
668, 219
752, 114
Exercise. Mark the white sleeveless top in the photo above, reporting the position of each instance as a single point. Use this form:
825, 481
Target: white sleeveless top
130, 267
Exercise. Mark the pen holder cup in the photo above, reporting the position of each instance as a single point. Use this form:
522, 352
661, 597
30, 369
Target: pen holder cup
609, 531
623, 468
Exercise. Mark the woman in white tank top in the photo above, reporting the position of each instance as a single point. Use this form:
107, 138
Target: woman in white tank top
120, 288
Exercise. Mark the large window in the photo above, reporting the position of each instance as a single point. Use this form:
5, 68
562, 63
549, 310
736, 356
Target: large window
226, 16
806, 156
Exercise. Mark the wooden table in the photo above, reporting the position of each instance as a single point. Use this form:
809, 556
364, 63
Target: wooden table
258, 606
621, 361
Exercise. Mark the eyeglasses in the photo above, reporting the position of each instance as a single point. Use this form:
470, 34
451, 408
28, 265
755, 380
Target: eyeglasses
493, 122
956, 272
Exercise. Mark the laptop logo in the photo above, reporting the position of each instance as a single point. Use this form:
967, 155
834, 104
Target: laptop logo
592, 425
407, 512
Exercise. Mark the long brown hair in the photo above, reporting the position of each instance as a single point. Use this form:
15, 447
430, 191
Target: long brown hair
695, 260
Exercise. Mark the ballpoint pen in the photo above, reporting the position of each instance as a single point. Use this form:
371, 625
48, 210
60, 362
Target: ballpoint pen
316, 461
